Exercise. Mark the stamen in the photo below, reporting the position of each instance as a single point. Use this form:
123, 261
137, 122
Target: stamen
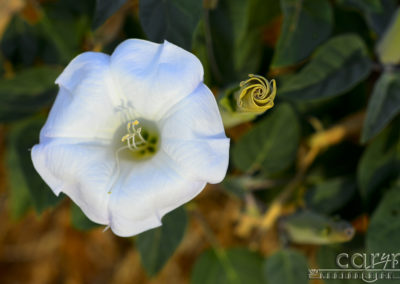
133, 135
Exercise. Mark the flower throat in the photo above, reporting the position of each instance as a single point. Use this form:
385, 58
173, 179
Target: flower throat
140, 142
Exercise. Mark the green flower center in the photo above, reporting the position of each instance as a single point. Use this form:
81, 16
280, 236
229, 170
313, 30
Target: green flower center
137, 140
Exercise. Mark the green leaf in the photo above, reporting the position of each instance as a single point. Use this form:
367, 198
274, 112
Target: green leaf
364, 5
199, 48
29, 82
271, 144
286, 266
372, 5
20, 197
173, 20
247, 46
230, 40
104, 10
336, 67
380, 20
65, 32
326, 259
377, 13
384, 229
380, 162
388, 48
26, 185
306, 24
79, 219
330, 195
218, 41
236, 265
383, 105
20, 42
27, 92
158, 245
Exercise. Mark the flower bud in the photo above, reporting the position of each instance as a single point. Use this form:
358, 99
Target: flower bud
243, 103
256, 94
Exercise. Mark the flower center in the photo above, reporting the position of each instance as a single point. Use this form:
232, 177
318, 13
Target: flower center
136, 140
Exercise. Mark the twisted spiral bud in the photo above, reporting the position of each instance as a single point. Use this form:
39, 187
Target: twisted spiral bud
256, 94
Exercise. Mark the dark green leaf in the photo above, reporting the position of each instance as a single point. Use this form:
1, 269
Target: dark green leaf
20, 42
104, 10
374, 6
271, 144
218, 42
27, 92
23, 178
380, 20
230, 40
173, 20
286, 266
352, 21
377, 15
306, 24
384, 230
247, 29
336, 67
29, 82
326, 259
233, 266
384, 104
65, 33
158, 245
330, 195
20, 197
199, 48
380, 161
388, 47
79, 219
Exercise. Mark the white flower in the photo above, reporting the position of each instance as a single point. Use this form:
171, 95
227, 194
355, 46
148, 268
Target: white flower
133, 135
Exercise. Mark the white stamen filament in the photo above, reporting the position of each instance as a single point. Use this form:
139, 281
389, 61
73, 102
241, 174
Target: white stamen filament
132, 134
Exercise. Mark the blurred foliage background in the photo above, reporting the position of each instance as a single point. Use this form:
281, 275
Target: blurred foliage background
324, 162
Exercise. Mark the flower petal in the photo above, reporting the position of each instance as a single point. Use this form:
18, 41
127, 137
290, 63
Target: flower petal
81, 170
84, 104
193, 136
145, 192
154, 77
